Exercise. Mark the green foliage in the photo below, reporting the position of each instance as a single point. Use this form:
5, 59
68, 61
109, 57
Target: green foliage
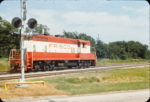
124, 50
136, 49
70, 35
148, 54
101, 49
38, 29
7, 40
76, 35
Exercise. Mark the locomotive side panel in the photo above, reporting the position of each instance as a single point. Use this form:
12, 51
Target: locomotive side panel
57, 51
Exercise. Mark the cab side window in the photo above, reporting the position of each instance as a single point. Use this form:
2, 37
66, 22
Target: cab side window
83, 45
78, 44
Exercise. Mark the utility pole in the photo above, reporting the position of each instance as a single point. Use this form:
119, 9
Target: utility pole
23, 12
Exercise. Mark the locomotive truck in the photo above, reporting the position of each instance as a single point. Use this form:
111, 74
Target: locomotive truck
45, 52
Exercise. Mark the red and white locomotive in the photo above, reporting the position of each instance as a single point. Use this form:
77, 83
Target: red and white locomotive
45, 52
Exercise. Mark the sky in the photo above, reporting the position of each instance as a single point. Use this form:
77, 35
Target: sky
111, 20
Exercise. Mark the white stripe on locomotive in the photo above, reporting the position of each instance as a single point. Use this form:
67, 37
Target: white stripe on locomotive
38, 46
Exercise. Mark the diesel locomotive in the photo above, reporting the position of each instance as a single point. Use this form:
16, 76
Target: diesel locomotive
45, 52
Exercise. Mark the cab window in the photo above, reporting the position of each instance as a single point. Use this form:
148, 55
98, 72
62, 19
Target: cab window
83, 45
78, 44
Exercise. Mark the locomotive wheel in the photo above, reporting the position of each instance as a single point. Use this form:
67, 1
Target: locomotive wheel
79, 65
51, 67
87, 65
14, 71
29, 70
36, 68
83, 65
46, 68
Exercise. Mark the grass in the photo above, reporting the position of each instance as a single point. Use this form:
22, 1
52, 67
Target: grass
96, 82
118, 61
84, 83
32, 90
4, 65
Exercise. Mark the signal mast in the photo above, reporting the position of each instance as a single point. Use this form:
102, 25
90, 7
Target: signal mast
20, 23
23, 18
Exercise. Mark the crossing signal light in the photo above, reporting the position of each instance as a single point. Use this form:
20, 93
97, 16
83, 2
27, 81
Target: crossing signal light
1, 1
16, 22
32, 23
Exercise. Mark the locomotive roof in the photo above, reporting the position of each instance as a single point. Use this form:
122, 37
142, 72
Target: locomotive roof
48, 38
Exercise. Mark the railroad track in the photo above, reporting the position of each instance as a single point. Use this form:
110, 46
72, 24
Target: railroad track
4, 72
59, 72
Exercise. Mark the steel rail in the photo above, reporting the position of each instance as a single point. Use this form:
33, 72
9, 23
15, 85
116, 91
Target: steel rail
52, 73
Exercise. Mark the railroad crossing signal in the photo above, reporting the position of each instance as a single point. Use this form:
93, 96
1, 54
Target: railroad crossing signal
1, 1
16, 22
32, 23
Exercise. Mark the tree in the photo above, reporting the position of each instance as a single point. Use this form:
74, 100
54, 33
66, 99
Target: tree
101, 49
130, 49
76, 35
117, 50
87, 37
7, 40
38, 29
70, 35
148, 54
136, 49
